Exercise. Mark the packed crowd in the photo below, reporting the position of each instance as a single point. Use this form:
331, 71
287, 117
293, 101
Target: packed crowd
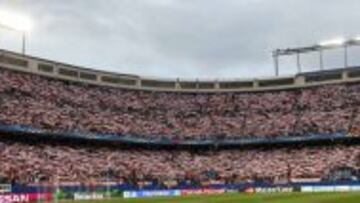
43, 103
54, 105
51, 163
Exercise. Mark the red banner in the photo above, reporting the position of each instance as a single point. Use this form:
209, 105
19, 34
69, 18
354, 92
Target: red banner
202, 192
31, 197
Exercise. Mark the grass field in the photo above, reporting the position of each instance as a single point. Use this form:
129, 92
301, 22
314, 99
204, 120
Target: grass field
241, 198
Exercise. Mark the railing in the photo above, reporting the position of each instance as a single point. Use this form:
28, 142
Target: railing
240, 141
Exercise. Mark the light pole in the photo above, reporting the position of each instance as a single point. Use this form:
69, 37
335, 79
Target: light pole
346, 56
276, 62
16, 22
321, 59
298, 62
23, 43
23, 36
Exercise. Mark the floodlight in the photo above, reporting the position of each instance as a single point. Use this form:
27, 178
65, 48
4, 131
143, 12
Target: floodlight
357, 38
15, 21
337, 43
333, 42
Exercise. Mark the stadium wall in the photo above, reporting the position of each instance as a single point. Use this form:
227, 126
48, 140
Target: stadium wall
53, 69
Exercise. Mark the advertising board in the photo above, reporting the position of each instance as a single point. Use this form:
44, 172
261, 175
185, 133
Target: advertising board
274, 189
151, 193
202, 192
330, 188
88, 196
29, 197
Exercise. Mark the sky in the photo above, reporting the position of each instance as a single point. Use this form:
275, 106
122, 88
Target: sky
205, 39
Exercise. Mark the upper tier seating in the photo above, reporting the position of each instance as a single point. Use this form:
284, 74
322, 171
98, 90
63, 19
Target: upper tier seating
55, 105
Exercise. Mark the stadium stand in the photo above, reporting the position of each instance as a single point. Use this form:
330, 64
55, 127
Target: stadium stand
30, 163
42, 103
65, 104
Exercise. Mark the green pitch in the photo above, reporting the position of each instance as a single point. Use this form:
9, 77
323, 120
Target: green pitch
241, 198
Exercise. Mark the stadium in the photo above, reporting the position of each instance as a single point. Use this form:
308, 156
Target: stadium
75, 134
